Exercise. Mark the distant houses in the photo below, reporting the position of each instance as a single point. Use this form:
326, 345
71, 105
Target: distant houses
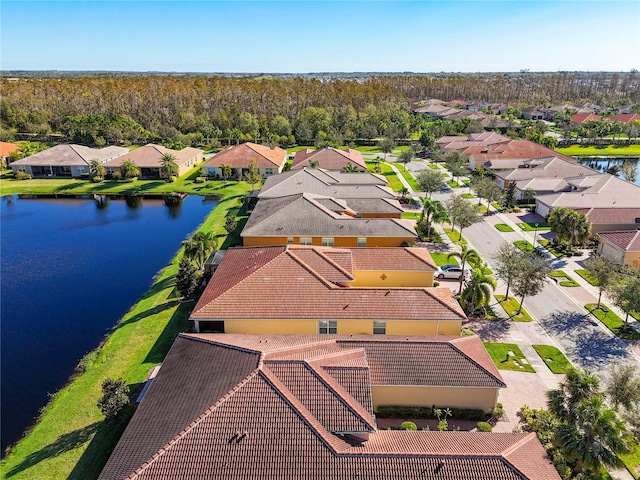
269, 161
6, 149
66, 160
149, 160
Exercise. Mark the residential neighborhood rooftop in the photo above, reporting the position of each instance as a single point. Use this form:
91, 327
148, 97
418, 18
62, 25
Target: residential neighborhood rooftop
241, 155
71, 154
329, 158
626, 240
150, 155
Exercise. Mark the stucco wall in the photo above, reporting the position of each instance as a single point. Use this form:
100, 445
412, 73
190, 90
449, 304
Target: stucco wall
633, 259
392, 278
271, 326
456, 397
610, 251
249, 241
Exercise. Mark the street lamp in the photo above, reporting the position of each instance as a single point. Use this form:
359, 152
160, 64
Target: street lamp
535, 236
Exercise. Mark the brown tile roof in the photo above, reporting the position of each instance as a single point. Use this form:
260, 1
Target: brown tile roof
275, 282
611, 216
404, 259
71, 155
626, 117
511, 149
329, 158
239, 156
7, 149
149, 156
584, 117
265, 424
629, 240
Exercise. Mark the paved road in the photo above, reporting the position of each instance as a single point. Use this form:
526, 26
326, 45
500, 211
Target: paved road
586, 342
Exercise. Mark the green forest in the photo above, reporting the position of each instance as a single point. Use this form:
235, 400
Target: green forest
102, 109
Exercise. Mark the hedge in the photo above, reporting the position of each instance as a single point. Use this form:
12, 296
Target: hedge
400, 411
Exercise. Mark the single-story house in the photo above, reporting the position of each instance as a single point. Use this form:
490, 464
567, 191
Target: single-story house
309, 219
291, 407
626, 118
269, 161
533, 113
329, 158
6, 149
307, 290
497, 155
580, 118
149, 160
611, 219
67, 160
621, 247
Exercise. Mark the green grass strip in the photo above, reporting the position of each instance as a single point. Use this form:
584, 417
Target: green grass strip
497, 206
455, 236
408, 177
411, 215
442, 259
523, 245
71, 439
631, 460
503, 227
468, 195
433, 166
586, 274
393, 182
554, 358
453, 184
482, 209
500, 355
569, 282
608, 150
511, 306
613, 322
531, 226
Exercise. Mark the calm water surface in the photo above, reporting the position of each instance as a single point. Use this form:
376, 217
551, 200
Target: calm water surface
69, 270
602, 164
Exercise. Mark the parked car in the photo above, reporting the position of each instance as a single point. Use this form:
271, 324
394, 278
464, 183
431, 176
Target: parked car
452, 271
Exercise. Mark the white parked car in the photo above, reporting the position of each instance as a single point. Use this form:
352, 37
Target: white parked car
452, 271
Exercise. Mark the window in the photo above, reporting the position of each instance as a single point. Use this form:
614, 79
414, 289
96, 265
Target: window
328, 326
305, 241
268, 171
379, 328
362, 242
327, 242
289, 240
81, 169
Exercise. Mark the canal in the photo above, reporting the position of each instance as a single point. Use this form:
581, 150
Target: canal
602, 164
70, 268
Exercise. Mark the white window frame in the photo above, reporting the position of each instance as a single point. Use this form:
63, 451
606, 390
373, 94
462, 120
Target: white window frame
380, 326
328, 241
305, 241
326, 327
289, 240
362, 242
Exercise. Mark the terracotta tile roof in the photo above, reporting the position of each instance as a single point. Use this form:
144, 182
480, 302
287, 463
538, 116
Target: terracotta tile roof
626, 117
303, 215
260, 421
7, 149
511, 149
239, 156
629, 241
70, 155
274, 282
150, 155
329, 158
409, 258
584, 117
628, 215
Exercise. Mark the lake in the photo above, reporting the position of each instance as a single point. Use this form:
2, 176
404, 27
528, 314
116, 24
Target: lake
70, 268
601, 164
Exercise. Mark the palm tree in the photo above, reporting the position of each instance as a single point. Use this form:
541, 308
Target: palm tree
350, 168
466, 256
477, 294
225, 170
96, 169
128, 169
432, 211
198, 247
168, 166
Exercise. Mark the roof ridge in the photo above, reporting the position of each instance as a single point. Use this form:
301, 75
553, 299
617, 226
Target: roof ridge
335, 264
453, 344
430, 290
72, 147
307, 267
192, 337
520, 443
191, 426
275, 210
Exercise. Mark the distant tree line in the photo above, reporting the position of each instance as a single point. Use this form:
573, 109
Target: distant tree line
207, 110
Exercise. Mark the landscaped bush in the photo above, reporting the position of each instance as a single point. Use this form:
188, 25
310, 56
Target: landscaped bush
199, 180
116, 176
172, 179
96, 179
497, 412
436, 284
400, 411
408, 426
484, 427
23, 176
130, 179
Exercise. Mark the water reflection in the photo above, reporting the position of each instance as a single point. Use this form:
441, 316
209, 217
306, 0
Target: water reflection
604, 164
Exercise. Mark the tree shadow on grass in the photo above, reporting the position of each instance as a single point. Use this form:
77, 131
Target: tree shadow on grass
149, 312
178, 323
64, 443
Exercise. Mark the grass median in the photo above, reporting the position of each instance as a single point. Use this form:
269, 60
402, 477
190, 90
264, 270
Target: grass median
511, 306
613, 322
508, 356
71, 439
553, 357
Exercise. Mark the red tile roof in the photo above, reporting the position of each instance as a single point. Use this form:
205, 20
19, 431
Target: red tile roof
7, 149
275, 282
612, 216
329, 158
584, 117
626, 117
512, 149
629, 241
275, 420
239, 156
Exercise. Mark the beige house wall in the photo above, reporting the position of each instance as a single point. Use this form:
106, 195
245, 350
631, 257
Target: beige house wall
427, 396
632, 259
392, 278
347, 242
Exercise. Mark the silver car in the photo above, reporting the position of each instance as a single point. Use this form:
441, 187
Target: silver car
452, 271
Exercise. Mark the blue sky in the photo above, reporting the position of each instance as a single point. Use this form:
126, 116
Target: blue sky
317, 36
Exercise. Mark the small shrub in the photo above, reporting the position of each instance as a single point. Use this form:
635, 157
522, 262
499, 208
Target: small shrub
484, 427
23, 176
436, 284
130, 179
96, 179
115, 396
497, 412
230, 224
172, 179
199, 180
408, 426
116, 176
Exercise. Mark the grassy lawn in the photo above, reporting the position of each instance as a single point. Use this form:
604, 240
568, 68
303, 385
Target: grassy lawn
453, 184
299, 147
568, 282
613, 322
408, 177
433, 166
455, 236
553, 357
523, 245
73, 186
71, 439
482, 209
441, 259
549, 246
393, 182
511, 306
497, 206
531, 226
632, 460
468, 195
499, 353
608, 150
503, 227
586, 274
411, 215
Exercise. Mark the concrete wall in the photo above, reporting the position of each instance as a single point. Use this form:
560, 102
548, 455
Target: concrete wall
423, 396
632, 259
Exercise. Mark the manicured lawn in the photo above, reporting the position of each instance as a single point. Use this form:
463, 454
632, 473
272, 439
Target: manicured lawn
453, 184
554, 358
632, 460
72, 186
503, 227
497, 206
411, 215
612, 150
549, 246
455, 236
393, 182
441, 259
523, 245
299, 147
586, 274
408, 177
511, 306
499, 353
482, 209
531, 226
71, 440
613, 322
433, 166
468, 195
568, 282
